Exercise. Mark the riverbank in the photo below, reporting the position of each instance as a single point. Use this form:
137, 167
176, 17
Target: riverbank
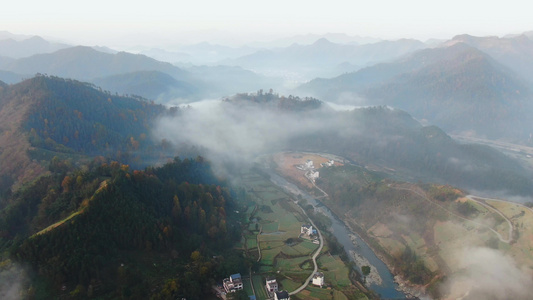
388, 288
412, 291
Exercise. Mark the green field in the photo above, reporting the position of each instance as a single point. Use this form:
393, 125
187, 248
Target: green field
251, 242
282, 250
259, 286
337, 273
290, 264
289, 285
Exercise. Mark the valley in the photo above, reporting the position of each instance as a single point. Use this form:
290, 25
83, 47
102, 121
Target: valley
327, 165
468, 224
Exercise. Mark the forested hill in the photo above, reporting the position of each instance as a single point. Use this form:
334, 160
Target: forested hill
105, 231
391, 138
458, 88
46, 116
272, 100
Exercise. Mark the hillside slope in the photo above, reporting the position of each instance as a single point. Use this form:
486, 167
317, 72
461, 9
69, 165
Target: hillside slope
458, 88
84, 63
104, 231
46, 116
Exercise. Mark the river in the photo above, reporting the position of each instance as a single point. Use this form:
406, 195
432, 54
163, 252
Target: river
387, 288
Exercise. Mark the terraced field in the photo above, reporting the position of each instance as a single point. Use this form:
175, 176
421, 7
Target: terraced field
274, 231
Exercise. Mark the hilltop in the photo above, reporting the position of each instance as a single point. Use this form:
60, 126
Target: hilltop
47, 116
105, 231
458, 88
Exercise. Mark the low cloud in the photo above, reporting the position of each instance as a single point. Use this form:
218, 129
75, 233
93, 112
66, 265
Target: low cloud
13, 278
487, 274
234, 132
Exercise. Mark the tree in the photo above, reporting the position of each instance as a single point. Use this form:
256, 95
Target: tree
366, 271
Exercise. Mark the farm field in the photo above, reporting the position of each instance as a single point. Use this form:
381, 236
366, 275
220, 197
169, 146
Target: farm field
287, 161
274, 229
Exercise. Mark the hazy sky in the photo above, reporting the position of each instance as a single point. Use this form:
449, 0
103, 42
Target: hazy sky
127, 23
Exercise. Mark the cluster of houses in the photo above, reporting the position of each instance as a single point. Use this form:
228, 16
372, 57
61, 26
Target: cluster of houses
308, 165
328, 164
311, 172
308, 231
234, 283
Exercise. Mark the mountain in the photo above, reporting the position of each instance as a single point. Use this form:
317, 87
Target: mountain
44, 117
307, 39
168, 56
105, 49
513, 52
249, 125
28, 47
127, 73
202, 82
379, 73
223, 80
207, 53
10, 77
390, 140
4, 35
148, 84
162, 233
319, 58
458, 88
5, 60
85, 63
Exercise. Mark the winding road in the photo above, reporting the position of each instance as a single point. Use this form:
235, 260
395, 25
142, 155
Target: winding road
301, 288
511, 228
507, 241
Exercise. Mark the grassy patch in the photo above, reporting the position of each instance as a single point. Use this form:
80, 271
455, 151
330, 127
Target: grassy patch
270, 227
290, 264
259, 286
337, 273
251, 242
289, 285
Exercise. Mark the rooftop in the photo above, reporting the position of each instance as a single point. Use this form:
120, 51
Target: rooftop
235, 277
282, 294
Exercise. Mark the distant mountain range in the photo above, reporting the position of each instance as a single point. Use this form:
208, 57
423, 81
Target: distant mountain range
514, 52
148, 84
85, 63
127, 73
457, 87
28, 47
307, 39
323, 57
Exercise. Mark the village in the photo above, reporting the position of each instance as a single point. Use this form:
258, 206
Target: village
235, 283
288, 247
310, 172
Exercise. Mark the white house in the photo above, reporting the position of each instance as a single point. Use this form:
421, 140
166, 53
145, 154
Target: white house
306, 229
281, 295
233, 283
271, 285
309, 164
330, 163
318, 279
313, 175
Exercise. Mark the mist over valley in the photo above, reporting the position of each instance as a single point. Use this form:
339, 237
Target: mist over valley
166, 172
